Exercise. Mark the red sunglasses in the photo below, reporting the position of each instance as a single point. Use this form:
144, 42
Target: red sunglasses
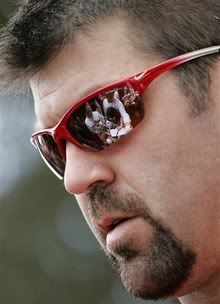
102, 117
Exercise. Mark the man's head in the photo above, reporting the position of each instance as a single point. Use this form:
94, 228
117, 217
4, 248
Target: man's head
152, 199
113, 115
110, 96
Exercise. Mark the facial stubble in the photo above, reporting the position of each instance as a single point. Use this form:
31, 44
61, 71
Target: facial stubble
162, 267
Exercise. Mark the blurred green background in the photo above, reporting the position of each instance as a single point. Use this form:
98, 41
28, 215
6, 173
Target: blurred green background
47, 252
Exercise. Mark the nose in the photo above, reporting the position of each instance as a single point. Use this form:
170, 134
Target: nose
84, 169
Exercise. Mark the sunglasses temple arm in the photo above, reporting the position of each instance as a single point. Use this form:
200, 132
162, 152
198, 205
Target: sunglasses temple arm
149, 75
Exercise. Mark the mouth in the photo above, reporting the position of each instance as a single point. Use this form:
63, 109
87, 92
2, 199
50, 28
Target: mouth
124, 237
107, 224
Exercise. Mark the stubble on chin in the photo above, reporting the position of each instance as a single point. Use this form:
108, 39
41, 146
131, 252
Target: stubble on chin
159, 271
155, 272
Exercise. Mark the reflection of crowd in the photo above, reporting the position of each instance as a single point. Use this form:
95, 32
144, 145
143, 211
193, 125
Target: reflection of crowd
113, 102
107, 117
110, 120
133, 105
95, 121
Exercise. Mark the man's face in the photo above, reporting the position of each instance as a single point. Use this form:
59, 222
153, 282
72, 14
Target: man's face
152, 199
110, 97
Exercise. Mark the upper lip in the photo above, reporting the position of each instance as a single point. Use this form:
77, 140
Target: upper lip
106, 224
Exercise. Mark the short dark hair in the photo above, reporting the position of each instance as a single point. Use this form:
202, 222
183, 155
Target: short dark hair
113, 115
166, 28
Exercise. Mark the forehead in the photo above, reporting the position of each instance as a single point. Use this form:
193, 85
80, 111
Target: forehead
97, 57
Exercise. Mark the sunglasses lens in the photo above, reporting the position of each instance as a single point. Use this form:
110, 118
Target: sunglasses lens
106, 118
51, 154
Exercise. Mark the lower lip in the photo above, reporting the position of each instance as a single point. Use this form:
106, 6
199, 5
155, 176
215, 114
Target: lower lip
134, 231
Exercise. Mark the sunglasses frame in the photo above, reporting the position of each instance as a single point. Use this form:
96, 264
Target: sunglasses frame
139, 82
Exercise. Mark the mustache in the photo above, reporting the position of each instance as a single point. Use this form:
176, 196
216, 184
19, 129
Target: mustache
108, 199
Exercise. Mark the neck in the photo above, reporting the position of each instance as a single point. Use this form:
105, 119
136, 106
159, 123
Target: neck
209, 293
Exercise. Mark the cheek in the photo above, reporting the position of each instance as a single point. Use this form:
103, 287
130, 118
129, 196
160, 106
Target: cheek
171, 160
180, 191
173, 177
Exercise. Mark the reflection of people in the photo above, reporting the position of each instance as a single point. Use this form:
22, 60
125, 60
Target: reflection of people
153, 199
76, 126
111, 101
129, 96
133, 105
94, 120
115, 123
116, 94
94, 105
114, 118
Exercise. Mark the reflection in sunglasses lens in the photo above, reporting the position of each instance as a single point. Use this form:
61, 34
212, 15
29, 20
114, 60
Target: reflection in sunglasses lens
50, 153
106, 118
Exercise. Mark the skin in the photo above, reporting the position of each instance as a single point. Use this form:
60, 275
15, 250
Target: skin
165, 172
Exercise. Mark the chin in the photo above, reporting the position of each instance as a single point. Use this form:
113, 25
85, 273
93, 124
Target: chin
147, 291
141, 283
156, 274
147, 283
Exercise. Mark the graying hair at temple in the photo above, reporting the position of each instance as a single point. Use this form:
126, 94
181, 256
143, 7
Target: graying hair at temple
166, 28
